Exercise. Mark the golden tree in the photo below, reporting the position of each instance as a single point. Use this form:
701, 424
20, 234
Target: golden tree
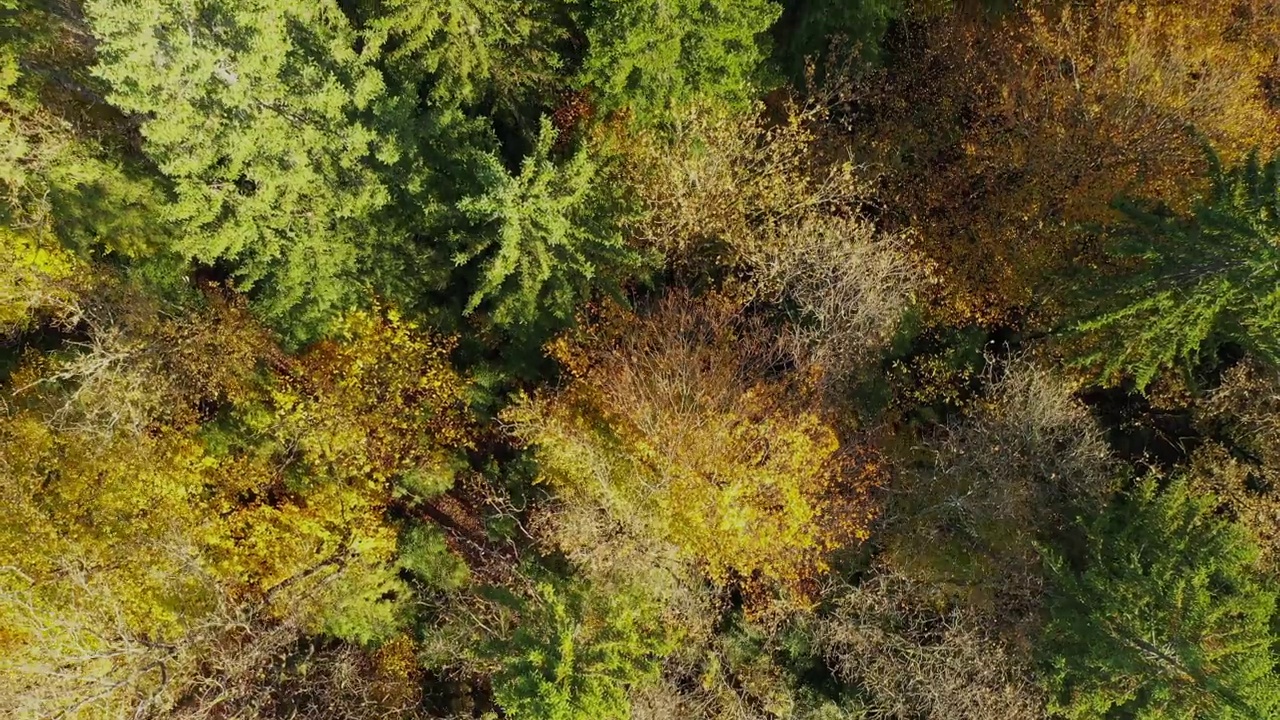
676, 431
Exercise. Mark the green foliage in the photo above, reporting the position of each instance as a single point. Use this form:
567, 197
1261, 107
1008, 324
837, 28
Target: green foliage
467, 48
366, 605
545, 238
61, 171
424, 553
650, 57
811, 25
255, 111
1163, 618
576, 652
1204, 280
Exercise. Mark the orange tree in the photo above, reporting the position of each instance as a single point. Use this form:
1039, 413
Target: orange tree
1001, 137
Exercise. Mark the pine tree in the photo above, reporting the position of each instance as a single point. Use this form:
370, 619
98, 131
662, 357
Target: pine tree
649, 56
545, 237
256, 111
1164, 617
1204, 280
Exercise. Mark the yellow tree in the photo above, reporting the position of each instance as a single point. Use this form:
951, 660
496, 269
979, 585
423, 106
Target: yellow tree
127, 550
676, 433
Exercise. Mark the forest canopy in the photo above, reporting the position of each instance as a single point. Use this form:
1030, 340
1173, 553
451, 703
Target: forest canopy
640, 359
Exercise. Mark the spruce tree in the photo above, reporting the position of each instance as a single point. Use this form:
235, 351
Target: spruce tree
258, 113
576, 651
544, 238
1201, 280
466, 50
1163, 618
649, 56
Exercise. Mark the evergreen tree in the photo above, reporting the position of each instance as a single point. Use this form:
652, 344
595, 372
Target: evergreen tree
467, 49
576, 652
1204, 280
649, 56
545, 237
1163, 619
63, 171
256, 111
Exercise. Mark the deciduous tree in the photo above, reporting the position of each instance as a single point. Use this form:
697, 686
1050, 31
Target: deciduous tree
676, 427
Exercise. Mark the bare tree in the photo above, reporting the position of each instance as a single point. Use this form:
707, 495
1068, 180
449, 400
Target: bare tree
778, 198
917, 661
990, 486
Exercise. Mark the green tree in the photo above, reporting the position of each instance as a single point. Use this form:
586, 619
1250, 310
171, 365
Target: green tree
1163, 618
810, 26
576, 652
545, 237
256, 111
1203, 280
468, 48
62, 169
650, 56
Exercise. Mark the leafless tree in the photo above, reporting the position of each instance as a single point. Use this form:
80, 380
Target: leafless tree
919, 662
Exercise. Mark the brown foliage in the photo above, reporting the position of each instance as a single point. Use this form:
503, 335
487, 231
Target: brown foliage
916, 660
1020, 465
1001, 138
1241, 467
773, 198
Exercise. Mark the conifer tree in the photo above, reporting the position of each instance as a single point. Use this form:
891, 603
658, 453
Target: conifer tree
649, 56
576, 652
544, 237
1164, 617
256, 111
467, 48
1206, 279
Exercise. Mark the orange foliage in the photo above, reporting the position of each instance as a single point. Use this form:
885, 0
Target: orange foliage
1005, 139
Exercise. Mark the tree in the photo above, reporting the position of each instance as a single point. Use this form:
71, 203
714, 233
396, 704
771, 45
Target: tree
993, 485
677, 430
468, 48
772, 198
1004, 136
651, 57
1239, 463
33, 280
64, 170
546, 237
259, 114
137, 541
576, 652
1161, 616
1202, 280
918, 658
811, 26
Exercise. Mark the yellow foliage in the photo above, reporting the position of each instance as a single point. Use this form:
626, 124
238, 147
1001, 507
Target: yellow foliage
141, 535
382, 400
34, 277
672, 429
